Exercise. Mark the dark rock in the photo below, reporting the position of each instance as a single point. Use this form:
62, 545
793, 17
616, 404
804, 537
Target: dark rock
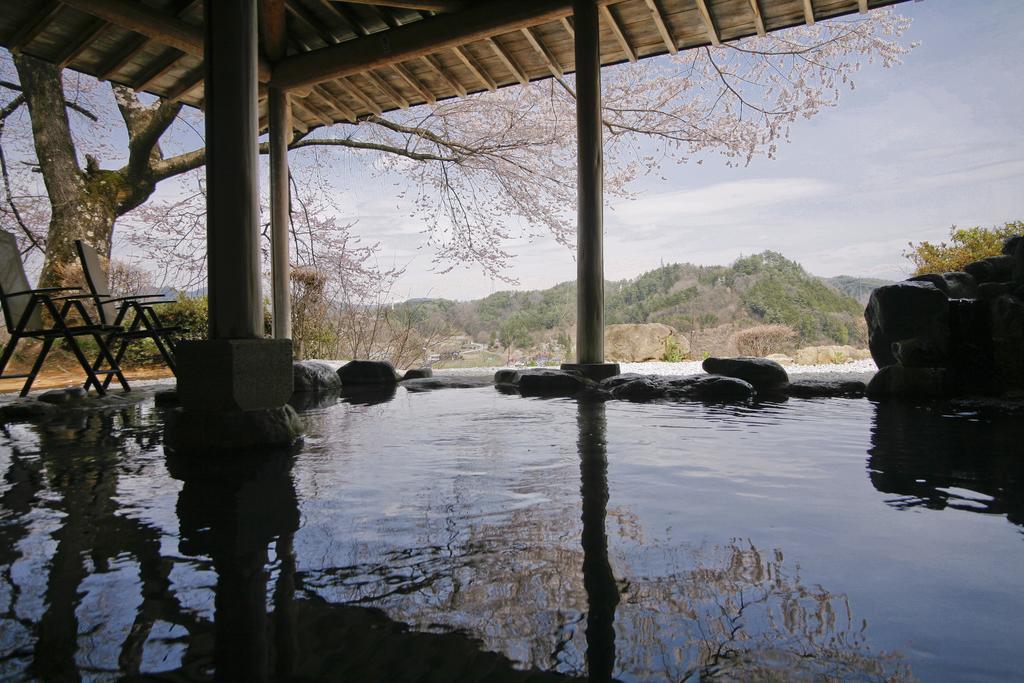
311, 376
636, 387
304, 401
368, 394
712, 388
166, 398
1011, 244
818, 388
906, 310
28, 410
195, 432
417, 373
551, 383
506, 377
367, 372
446, 382
992, 269
956, 285
993, 290
896, 380
760, 372
989, 405
61, 396
918, 353
971, 364
1007, 316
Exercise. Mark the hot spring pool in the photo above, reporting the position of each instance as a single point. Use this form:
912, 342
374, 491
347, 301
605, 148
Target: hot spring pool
468, 535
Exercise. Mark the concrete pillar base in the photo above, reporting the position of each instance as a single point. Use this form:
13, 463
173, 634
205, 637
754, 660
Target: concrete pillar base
189, 432
234, 374
594, 371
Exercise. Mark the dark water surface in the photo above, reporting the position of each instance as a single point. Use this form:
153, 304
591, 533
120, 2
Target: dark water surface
468, 535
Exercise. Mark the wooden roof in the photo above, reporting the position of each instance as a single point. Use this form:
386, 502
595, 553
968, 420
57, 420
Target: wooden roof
345, 60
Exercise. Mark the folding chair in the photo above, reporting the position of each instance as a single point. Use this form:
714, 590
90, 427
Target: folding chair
113, 311
23, 309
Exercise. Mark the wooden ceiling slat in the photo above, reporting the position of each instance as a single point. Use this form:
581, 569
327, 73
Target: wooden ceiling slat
542, 50
156, 70
414, 83
327, 96
386, 88
427, 5
613, 25
305, 105
809, 12
192, 80
299, 11
438, 68
709, 23
34, 26
758, 19
358, 95
862, 6
659, 22
74, 49
475, 68
507, 59
569, 28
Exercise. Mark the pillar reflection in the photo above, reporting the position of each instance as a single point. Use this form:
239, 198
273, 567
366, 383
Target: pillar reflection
598, 578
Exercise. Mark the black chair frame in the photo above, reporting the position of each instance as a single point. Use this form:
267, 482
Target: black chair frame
41, 300
144, 324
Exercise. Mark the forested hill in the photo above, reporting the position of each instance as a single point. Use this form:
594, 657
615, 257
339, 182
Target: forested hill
858, 287
763, 288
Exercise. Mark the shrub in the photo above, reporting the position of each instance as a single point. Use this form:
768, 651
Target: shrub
764, 340
965, 245
189, 314
673, 352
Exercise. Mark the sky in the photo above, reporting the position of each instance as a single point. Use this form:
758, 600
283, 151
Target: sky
933, 142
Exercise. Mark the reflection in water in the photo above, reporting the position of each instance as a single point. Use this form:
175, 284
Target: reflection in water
955, 461
504, 548
598, 579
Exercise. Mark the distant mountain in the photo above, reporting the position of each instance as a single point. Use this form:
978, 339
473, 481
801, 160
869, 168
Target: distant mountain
857, 287
763, 288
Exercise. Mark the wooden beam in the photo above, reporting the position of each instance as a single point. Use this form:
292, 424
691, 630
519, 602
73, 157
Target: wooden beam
353, 20
709, 23
190, 82
542, 50
479, 21
158, 69
659, 22
273, 29
139, 43
34, 26
862, 5
508, 60
386, 88
613, 24
312, 111
437, 67
358, 95
758, 19
423, 5
475, 68
161, 27
569, 28
77, 47
808, 12
414, 83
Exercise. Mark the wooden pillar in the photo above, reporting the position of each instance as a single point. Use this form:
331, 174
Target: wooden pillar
280, 136
590, 188
232, 174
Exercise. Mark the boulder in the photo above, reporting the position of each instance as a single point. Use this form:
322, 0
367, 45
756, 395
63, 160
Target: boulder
992, 269
196, 431
310, 376
993, 290
896, 380
551, 383
367, 372
641, 342
417, 373
61, 396
1007, 319
906, 310
713, 388
445, 382
166, 398
506, 377
956, 285
637, 388
826, 388
760, 372
918, 353
1011, 243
